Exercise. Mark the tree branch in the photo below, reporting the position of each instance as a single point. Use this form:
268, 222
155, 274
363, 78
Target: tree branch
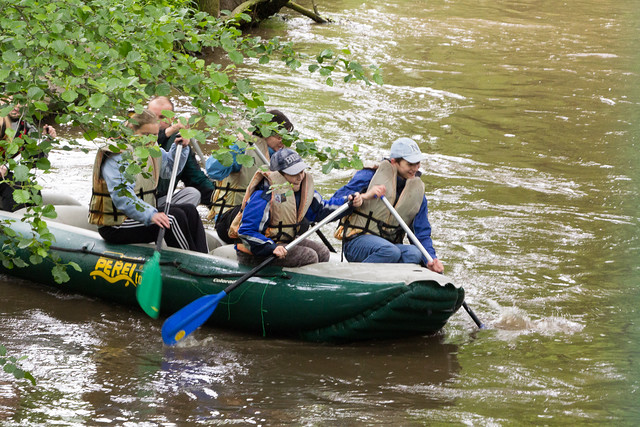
306, 12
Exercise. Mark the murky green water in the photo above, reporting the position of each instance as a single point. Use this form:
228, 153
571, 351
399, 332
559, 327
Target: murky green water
530, 113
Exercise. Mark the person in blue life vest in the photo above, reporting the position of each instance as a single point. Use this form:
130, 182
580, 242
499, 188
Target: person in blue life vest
277, 207
371, 233
131, 215
232, 181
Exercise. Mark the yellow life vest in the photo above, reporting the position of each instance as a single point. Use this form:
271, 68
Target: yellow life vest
286, 218
230, 191
102, 211
373, 217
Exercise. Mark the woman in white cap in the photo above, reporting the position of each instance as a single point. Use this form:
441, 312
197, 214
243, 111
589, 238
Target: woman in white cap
370, 233
278, 206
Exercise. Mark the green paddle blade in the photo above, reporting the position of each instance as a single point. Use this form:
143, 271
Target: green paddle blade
150, 286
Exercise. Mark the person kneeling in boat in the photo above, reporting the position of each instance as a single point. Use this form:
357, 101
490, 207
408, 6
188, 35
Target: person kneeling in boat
371, 233
125, 211
272, 215
232, 181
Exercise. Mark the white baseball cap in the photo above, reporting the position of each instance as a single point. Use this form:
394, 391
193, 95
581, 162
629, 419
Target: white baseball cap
406, 148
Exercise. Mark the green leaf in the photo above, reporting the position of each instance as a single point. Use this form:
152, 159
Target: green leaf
221, 79
124, 48
75, 266
10, 56
35, 93
60, 274
188, 133
58, 45
245, 160
243, 85
21, 196
41, 106
328, 167
163, 89
28, 376
97, 100
141, 152
377, 77
236, 56
69, 95
21, 173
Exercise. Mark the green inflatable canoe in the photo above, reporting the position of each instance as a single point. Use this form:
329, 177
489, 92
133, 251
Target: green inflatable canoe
326, 302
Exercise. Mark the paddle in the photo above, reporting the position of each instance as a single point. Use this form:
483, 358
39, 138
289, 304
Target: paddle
150, 287
196, 147
191, 316
417, 242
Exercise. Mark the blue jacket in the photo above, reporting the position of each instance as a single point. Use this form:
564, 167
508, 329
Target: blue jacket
256, 217
420, 227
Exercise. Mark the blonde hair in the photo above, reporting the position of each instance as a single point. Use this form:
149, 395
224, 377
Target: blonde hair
138, 120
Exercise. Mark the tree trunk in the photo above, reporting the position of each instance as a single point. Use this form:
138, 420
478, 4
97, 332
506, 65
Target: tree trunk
212, 7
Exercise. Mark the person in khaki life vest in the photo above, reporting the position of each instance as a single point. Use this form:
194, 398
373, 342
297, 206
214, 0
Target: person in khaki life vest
273, 215
131, 216
232, 181
371, 233
14, 126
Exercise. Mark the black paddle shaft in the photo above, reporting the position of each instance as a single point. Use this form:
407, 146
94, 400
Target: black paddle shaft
288, 247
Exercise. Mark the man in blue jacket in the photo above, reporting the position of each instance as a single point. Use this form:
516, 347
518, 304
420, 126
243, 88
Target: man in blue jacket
371, 233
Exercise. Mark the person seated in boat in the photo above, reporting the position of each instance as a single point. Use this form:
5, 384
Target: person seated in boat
13, 127
126, 212
198, 188
232, 181
371, 233
273, 215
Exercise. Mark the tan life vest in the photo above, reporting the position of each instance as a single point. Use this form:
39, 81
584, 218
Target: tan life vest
230, 191
102, 211
373, 217
285, 217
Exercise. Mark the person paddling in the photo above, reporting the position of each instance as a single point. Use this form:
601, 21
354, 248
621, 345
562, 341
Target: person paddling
371, 233
278, 206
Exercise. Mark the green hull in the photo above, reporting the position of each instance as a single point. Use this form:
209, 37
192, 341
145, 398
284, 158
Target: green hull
329, 302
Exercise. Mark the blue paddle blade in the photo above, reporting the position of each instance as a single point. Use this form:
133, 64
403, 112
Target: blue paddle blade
149, 289
189, 318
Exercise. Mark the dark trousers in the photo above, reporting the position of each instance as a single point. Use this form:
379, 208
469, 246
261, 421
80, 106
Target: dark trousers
186, 231
6, 196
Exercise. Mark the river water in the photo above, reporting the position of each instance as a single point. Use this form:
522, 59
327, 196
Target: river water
529, 112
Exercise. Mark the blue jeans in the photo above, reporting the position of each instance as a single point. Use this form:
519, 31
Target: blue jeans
370, 248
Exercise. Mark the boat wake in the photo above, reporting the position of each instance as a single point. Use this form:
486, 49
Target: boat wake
516, 320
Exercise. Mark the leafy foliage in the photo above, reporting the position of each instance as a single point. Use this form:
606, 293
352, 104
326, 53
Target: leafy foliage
10, 365
90, 63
